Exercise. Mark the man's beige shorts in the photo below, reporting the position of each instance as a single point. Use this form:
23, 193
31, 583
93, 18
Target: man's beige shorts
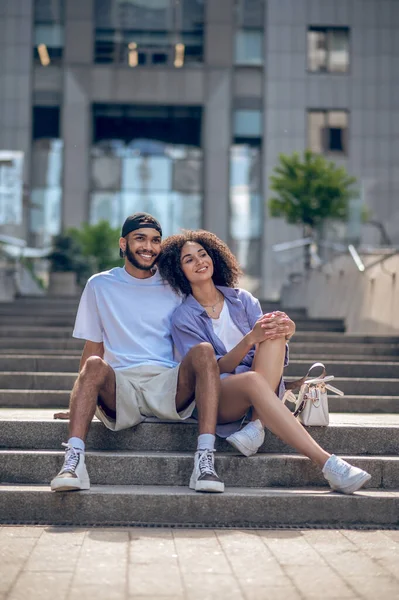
147, 391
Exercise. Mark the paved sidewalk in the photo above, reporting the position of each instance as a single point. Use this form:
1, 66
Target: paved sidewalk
49, 563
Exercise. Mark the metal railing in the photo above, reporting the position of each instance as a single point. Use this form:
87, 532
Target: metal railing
335, 249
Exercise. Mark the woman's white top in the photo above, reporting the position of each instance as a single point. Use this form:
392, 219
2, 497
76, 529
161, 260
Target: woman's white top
226, 330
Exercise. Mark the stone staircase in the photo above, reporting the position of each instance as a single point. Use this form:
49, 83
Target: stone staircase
140, 476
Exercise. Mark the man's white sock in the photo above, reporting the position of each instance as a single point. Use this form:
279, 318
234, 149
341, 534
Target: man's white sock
206, 441
77, 443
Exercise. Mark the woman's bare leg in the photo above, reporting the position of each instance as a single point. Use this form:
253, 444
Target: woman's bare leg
239, 392
269, 362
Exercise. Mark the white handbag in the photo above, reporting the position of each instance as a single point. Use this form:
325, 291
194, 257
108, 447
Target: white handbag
311, 406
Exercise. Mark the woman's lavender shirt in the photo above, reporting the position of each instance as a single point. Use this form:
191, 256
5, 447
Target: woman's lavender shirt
192, 325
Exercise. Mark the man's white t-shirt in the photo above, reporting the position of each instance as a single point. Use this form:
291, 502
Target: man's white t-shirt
132, 317
226, 330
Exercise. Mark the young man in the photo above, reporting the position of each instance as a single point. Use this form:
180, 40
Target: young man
127, 370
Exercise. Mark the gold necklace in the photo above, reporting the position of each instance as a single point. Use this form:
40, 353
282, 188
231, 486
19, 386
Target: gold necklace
213, 306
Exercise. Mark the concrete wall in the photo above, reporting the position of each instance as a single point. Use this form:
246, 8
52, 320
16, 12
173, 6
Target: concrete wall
367, 301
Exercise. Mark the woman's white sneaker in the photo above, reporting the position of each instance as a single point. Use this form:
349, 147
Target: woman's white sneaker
73, 474
343, 477
249, 439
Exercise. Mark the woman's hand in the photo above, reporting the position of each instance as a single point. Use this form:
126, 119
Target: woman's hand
272, 326
277, 324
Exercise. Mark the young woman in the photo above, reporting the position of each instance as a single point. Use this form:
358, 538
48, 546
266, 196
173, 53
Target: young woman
250, 348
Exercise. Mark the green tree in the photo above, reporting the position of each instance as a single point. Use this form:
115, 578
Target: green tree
308, 189
100, 245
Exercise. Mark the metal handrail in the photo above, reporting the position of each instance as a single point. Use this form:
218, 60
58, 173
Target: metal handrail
343, 248
17, 248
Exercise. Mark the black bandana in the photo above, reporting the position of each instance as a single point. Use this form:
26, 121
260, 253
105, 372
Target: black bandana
139, 221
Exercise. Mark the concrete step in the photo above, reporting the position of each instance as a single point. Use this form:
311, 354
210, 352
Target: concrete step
158, 505
345, 368
41, 344
15, 380
359, 386
32, 311
52, 332
44, 331
40, 363
45, 299
340, 347
58, 399
174, 469
45, 320
347, 434
321, 325
316, 349
305, 359
333, 358
346, 338
70, 364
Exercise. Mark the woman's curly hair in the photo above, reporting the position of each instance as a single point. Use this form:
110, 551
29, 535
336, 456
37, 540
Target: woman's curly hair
226, 269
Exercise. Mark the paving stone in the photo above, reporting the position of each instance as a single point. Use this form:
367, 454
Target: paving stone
155, 579
201, 553
56, 552
46, 586
20, 532
213, 587
97, 592
311, 579
9, 574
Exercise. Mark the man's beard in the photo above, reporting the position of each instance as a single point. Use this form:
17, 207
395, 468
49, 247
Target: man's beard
133, 261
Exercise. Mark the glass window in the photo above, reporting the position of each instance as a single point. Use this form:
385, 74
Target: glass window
248, 43
154, 32
46, 122
328, 49
328, 131
338, 56
47, 164
147, 159
48, 32
246, 208
249, 47
247, 123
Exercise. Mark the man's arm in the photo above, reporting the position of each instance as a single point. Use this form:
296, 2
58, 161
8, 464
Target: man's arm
91, 349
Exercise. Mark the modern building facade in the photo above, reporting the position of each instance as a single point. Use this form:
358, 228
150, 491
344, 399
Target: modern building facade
181, 108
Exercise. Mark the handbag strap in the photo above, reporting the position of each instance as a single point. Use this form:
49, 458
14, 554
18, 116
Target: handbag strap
293, 385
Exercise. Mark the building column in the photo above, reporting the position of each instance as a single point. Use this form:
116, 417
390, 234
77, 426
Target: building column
76, 111
217, 115
16, 49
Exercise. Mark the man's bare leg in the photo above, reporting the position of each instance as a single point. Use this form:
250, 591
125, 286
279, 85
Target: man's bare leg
96, 379
199, 375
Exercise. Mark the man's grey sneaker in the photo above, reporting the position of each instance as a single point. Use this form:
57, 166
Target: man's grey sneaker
204, 477
73, 475
249, 439
342, 477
